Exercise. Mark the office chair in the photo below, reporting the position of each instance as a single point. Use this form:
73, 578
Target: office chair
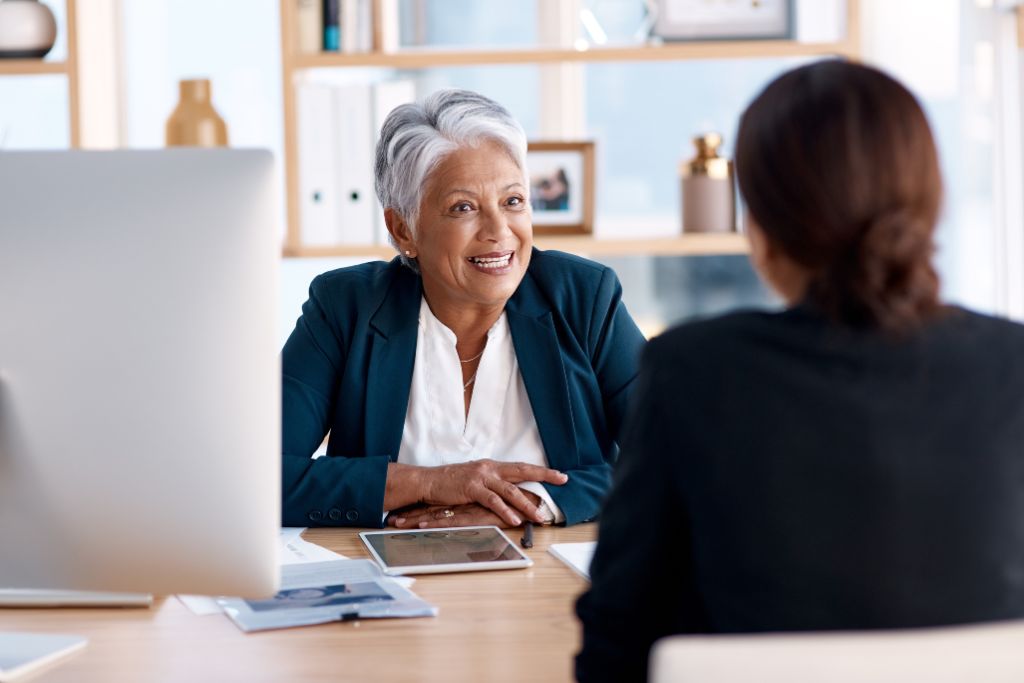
990, 653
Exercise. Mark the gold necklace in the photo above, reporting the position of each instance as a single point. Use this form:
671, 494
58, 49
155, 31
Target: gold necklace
470, 360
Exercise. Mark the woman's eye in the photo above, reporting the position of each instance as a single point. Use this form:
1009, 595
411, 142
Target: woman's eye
515, 201
462, 207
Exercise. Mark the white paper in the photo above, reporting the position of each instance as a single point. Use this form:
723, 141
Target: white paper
576, 555
317, 593
200, 605
293, 549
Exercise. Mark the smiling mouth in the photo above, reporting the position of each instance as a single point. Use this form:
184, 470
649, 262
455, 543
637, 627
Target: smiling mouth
491, 262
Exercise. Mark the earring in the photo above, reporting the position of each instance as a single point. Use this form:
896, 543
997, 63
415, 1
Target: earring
408, 253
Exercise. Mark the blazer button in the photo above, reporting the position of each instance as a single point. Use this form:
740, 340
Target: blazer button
316, 516
334, 514
352, 515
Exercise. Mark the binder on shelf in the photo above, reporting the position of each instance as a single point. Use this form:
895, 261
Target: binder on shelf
386, 96
386, 26
332, 25
338, 128
309, 19
364, 29
318, 173
349, 26
357, 201
356, 26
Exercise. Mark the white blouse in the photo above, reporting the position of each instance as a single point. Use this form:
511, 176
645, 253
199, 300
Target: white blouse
500, 424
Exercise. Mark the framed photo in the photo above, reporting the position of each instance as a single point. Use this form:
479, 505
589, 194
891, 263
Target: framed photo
723, 19
561, 187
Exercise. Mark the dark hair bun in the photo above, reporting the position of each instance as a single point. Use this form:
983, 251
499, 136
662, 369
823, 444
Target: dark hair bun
886, 276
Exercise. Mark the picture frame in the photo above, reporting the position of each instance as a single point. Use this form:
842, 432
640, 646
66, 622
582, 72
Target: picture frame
700, 20
561, 186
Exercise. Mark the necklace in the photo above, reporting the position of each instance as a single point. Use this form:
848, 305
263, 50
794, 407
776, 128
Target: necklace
465, 387
470, 360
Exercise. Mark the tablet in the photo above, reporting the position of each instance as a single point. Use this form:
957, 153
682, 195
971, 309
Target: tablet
433, 551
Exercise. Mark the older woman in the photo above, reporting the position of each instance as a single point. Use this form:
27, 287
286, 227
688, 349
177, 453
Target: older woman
471, 380
853, 462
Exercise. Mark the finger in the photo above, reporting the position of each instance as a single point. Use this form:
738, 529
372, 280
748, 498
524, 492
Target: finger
493, 502
517, 498
440, 519
520, 471
468, 515
411, 518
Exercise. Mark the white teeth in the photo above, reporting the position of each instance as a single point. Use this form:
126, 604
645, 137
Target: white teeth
497, 262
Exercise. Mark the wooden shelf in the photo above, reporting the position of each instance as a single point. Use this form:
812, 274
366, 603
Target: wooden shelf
29, 67
418, 58
294, 64
682, 245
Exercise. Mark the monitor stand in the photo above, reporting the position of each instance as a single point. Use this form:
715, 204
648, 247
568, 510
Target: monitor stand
30, 597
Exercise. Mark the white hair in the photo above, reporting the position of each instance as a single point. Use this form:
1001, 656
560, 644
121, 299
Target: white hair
415, 138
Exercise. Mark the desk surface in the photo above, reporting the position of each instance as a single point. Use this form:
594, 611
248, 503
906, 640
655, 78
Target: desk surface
501, 625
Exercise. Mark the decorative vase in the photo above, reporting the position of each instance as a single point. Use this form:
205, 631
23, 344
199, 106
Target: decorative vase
194, 122
27, 29
709, 201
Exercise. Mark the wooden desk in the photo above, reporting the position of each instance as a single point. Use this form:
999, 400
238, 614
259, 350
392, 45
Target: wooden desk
515, 625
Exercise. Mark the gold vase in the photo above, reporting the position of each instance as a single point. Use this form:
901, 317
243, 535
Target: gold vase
709, 200
194, 122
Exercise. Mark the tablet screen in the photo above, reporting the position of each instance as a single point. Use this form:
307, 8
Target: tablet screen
438, 547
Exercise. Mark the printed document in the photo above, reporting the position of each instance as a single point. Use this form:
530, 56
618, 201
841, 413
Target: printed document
317, 593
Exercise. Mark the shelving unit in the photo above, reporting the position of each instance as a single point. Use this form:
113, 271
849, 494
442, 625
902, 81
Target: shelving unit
683, 245
295, 63
416, 58
68, 68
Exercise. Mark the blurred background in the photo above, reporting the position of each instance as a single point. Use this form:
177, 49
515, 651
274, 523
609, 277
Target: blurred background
641, 110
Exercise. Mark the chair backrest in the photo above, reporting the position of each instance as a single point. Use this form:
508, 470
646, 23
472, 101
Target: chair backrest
991, 653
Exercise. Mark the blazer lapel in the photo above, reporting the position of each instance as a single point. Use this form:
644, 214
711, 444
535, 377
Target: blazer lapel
392, 357
539, 356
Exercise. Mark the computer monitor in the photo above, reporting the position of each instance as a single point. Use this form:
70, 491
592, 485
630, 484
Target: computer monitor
139, 374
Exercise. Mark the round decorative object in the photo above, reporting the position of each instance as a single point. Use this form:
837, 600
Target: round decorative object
27, 29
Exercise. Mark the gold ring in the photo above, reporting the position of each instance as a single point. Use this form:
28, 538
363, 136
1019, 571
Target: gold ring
448, 513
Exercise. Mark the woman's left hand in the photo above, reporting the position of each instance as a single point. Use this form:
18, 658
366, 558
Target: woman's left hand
441, 516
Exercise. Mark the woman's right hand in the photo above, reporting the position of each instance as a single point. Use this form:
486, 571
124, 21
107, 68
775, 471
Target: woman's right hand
489, 483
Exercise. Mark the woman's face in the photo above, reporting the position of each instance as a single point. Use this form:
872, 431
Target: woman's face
474, 234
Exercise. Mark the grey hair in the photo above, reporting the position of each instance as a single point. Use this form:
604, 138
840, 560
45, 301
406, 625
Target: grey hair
415, 138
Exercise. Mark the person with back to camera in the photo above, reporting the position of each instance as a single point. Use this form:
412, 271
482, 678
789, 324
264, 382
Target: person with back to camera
474, 379
855, 461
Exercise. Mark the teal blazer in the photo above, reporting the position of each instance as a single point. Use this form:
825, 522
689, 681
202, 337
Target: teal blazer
348, 365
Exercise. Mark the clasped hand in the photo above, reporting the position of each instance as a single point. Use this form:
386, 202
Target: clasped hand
475, 493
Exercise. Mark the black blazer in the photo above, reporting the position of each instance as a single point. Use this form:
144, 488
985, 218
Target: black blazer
781, 474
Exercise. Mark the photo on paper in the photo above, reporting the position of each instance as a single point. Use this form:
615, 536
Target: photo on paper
561, 186
321, 596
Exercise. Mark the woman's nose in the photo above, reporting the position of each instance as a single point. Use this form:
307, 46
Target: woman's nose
494, 225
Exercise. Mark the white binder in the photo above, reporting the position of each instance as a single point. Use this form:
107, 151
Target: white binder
309, 20
317, 133
357, 202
